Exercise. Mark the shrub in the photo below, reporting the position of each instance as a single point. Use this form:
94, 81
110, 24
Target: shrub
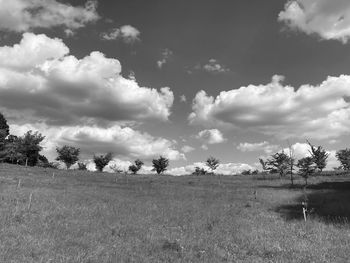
134, 168
82, 166
160, 165
102, 160
199, 171
212, 163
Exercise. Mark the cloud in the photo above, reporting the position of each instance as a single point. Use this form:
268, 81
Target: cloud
327, 19
42, 83
211, 66
226, 168
212, 136
187, 149
123, 142
126, 33
165, 56
317, 112
183, 98
24, 15
261, 146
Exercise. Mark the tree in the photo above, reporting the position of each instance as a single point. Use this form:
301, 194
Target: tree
4, 128
279, 162
82, 166
10, 153
102, 160
68, 154
319, 156
160, 165
343, 157
134, 168
306, 167
199, 171
212, 163
4, 132
291, 163
29, 147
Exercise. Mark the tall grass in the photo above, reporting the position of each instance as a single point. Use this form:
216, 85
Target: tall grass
79, 216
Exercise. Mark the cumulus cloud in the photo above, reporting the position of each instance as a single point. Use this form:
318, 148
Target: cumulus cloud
183, 98
39, 79
24, 15
121, 141
226, 168
319, 111
260, 146
211, 66
187, 149
165, 56
212, 136
327, 19
126, 33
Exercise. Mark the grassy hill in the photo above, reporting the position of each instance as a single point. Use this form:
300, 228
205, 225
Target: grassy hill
72, 216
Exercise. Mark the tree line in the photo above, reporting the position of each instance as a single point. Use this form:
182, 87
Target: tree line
25, 150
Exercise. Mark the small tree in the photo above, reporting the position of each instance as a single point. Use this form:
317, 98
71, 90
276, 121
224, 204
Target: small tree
10, 153
343, 157
102, 160
82, 166
68, 154
291, 163
306, 167
279, 162
134, 168
4, 132
29, 147
160, 165
199, 171
319, 156
212, 163
4, 128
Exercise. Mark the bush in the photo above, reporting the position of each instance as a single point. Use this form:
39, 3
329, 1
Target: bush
134, 168
102, 160
160, 165
82, 166
199, 171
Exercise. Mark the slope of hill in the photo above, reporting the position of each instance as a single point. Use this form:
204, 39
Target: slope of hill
71, 216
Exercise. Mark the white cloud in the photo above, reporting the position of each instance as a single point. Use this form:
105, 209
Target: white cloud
274, 109
211, 66
327, 19
23, 15
225, 168
165, 56
33, 50
126, 33
39, 80
183, 98
261, 146
121, 141
212, 136
187, 149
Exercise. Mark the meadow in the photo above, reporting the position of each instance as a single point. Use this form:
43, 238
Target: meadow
49, 215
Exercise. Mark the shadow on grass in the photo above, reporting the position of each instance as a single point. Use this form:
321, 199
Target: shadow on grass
328, 201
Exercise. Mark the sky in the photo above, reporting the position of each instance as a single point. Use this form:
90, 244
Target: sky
237, 80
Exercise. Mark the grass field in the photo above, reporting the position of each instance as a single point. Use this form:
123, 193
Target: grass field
92, 217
